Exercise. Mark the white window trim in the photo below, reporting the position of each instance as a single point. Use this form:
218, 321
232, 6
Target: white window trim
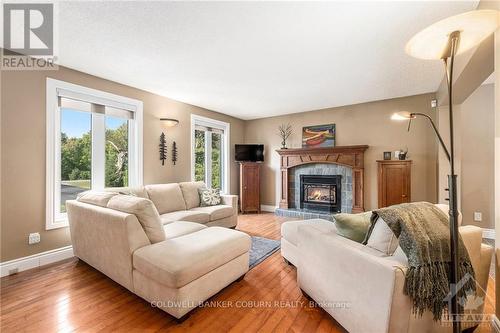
208, 122
53, 158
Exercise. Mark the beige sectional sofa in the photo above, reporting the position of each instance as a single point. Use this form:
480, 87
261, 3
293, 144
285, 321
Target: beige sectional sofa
181, 202
176, 265
361, 287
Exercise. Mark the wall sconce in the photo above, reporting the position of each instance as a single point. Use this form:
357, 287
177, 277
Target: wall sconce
170, 122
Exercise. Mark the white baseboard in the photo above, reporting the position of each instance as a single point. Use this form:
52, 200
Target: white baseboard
495, 324
268, 208
489, 233
35, 260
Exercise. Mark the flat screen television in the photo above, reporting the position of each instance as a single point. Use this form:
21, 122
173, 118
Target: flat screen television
249, 153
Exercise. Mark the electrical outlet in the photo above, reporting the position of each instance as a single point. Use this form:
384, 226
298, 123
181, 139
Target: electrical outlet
478, 216
34, 238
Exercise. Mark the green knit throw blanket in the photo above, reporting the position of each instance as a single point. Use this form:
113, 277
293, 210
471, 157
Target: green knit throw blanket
424, 236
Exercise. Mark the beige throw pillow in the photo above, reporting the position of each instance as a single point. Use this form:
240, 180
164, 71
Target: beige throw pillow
166, 197
382, 238
138, 191
98, 198
144, 210
190, 193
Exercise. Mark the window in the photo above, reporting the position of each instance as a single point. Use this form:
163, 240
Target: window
210, 152
94, 141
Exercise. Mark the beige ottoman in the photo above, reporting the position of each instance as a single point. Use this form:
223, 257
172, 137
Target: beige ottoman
178, 274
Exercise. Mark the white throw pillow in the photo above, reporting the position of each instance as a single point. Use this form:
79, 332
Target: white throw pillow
400, 256
382, 238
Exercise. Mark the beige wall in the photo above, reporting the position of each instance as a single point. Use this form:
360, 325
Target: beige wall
497, 170
367, 123
23, 151
474, 155
497, 166
477, 156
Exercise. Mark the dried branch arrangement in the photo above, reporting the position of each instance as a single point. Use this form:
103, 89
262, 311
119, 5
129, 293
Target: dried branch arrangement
284, 131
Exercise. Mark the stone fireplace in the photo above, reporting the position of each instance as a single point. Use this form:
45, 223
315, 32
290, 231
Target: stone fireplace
339, 171
320, 193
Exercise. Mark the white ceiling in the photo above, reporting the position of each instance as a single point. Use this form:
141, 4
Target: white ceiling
255, 59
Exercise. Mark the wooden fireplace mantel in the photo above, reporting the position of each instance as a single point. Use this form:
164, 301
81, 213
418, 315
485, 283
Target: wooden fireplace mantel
350, 156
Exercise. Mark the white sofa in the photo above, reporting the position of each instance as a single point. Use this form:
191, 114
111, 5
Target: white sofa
361, 287
175, 265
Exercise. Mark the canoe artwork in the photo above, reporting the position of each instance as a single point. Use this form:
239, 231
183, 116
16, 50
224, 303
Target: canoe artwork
318, 136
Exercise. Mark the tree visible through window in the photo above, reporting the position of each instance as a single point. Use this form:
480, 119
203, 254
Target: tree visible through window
209, 152
216, 160
199, 155
116, 152
76, 154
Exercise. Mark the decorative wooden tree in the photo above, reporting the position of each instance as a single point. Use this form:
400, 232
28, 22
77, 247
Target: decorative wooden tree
174, 152
163, 148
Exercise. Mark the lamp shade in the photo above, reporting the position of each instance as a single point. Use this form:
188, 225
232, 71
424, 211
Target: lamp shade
474, 27
403, 115
170, 122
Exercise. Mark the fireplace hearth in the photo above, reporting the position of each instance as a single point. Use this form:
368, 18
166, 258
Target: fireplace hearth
321, 193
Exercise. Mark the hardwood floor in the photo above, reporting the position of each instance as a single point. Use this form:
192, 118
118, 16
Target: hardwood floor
72, 296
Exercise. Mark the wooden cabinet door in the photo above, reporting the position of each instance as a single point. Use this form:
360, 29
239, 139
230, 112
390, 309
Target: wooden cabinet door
394, 179
249, 188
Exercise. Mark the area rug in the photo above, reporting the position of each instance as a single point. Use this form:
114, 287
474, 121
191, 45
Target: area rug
261, 249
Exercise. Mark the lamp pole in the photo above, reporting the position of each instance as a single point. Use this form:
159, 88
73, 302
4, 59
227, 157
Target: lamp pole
450, 53
453, 41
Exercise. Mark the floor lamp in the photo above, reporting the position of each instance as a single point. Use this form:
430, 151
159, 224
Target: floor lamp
444, 40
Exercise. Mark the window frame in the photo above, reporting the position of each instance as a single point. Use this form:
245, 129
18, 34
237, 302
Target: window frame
54, 88
225, 127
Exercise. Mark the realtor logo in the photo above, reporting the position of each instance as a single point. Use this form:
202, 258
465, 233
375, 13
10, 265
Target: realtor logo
28, 29
472, 304
29, 36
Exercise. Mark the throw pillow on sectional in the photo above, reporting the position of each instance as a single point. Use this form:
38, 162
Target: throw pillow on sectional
209, 197
353, 226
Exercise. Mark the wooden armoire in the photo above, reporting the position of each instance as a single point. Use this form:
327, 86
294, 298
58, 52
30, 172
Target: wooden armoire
394, 182
249, 187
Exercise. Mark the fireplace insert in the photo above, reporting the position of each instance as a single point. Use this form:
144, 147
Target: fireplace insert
320, 193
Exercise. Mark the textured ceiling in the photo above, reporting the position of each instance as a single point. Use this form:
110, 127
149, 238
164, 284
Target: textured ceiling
255, 59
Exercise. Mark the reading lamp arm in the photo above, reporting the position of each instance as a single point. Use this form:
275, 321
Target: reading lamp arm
435, 130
